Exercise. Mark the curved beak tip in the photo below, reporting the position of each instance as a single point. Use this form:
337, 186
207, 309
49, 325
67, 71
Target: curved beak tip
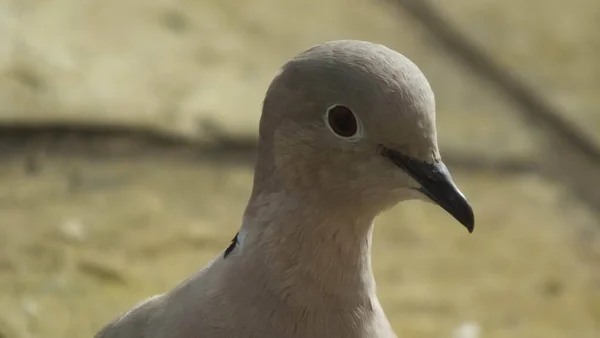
437, 184
469, 220
449, 198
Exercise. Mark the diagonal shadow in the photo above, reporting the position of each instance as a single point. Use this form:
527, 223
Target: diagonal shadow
566, 154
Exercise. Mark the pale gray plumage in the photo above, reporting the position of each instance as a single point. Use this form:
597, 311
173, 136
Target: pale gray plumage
302, 265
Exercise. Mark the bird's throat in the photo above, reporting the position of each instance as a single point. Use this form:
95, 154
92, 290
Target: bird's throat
308, 252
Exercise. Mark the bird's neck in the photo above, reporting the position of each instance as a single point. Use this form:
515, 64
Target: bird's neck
308, 252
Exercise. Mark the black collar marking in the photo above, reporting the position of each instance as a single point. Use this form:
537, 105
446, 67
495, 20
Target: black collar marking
231, 246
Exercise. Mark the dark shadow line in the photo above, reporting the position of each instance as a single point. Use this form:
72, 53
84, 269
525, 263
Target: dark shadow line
119, 142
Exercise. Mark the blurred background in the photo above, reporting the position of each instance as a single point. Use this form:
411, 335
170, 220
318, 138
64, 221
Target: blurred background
127, 138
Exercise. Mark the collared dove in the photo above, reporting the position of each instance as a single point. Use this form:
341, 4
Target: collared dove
347, 131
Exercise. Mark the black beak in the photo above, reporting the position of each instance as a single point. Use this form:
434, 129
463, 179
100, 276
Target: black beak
436, 183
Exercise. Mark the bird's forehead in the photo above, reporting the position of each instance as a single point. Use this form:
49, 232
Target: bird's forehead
389, 93
374, 79
365, 74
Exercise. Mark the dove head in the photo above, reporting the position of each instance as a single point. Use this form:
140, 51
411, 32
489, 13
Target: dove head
352, 124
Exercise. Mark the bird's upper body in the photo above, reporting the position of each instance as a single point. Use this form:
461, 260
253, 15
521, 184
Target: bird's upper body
347, 131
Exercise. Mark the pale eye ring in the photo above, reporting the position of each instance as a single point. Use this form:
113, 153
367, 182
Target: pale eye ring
343, 123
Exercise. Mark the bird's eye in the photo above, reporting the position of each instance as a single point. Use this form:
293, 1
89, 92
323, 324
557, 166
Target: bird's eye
342, 122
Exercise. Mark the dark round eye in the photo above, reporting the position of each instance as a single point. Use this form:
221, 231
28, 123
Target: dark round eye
342, 121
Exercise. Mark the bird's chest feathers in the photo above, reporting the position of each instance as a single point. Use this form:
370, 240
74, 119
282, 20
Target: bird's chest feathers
317, 323
303, 307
